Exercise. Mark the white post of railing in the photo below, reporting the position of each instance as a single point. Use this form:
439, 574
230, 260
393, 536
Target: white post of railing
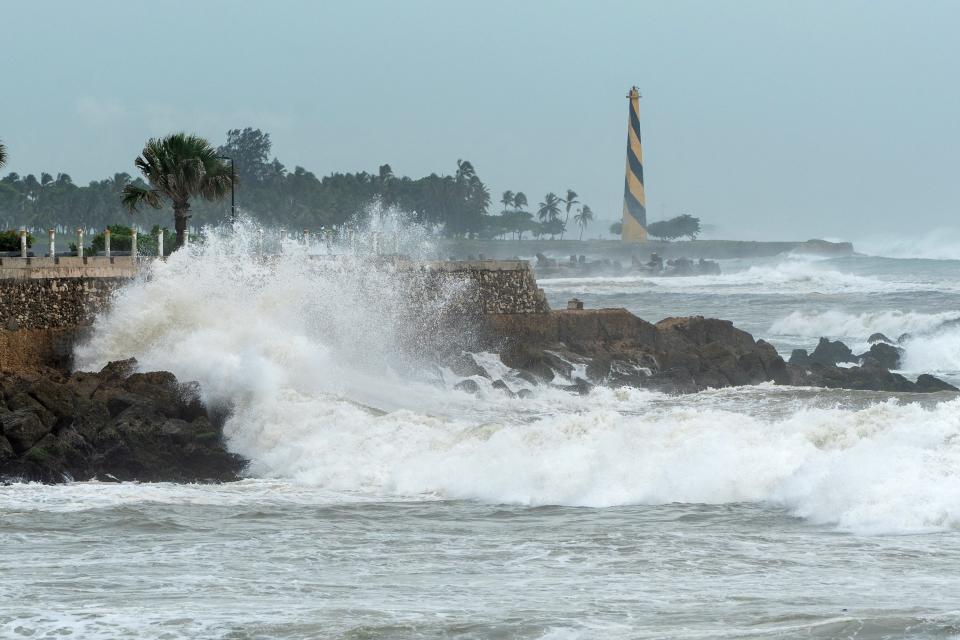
283, 238
306, 238
186, 238
106, 242
80, 242
160, 243
53, 242
133, 244
260, 241
23, 243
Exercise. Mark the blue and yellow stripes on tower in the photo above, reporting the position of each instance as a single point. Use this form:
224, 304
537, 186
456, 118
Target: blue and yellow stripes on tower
634, 226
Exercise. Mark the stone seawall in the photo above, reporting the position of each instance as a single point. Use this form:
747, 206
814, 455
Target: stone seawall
492, 286
45, 307
44, 303
41, 319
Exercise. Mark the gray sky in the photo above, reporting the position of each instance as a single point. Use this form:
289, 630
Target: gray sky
768, 119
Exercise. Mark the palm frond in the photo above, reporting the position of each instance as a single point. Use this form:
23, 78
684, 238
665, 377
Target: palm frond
134, 196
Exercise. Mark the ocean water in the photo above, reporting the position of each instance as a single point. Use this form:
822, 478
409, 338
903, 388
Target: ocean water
382, 503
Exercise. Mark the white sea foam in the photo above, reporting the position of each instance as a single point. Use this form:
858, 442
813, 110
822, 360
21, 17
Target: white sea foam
303, 353
791, 276
938, 351
937, 244
838, 323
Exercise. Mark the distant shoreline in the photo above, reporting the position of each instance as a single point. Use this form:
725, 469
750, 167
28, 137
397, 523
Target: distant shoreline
709, 249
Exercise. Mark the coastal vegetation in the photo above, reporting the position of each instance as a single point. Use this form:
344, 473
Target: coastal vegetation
179, 167
187, 177
682, 226
3, 154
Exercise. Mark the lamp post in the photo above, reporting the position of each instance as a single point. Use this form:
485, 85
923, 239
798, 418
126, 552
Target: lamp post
233, 179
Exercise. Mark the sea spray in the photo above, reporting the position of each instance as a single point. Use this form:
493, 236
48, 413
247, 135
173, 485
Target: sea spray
836, 323
305, 352
787, 276
330, 319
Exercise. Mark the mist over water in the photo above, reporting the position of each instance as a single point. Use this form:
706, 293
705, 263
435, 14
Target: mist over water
371, 475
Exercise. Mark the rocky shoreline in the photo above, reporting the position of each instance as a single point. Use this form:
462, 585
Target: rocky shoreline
115, 425
678, 355
121, 425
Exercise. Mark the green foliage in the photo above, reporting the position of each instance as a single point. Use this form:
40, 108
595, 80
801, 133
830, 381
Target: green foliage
10, 240
3, 155
583, 218
455, 204
684, 225
616, 228
121, 239
178, 168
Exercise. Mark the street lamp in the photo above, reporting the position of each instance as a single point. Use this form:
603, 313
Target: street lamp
233, 179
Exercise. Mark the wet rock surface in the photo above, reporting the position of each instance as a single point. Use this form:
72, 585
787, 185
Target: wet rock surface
682, 355
110, 425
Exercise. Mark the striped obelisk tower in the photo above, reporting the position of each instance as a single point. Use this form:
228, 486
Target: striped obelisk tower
634, 198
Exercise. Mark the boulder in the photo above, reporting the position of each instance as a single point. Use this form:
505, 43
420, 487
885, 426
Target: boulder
831, 353
468, 385
503, 386
678, 355
527, 358
22, 428
926, 383
881, 355
464, 365
114, 423
879, 337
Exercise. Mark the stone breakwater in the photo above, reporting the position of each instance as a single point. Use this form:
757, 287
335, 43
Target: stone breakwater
615, 348
47, 306
111, 425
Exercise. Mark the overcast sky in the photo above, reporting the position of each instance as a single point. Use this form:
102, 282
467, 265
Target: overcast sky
767, 119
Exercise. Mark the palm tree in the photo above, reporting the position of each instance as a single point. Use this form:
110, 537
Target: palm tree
571, 200
507, 200
549, 209
583, 218
3, 155
519, 200
178, 167
465, 170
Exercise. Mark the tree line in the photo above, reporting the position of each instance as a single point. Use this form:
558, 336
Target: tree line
185, 177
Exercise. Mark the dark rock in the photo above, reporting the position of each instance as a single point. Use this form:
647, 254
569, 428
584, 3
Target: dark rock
526, 376
22, 428
926, 383
831, 353
502, 386
143, 426
677, 355
527, 359
468, 385
599, 369
56, 398
903, 337
524, 393
579, 386
881, 355
879, 337
6, 451
464, 365
856, 378
26, 402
